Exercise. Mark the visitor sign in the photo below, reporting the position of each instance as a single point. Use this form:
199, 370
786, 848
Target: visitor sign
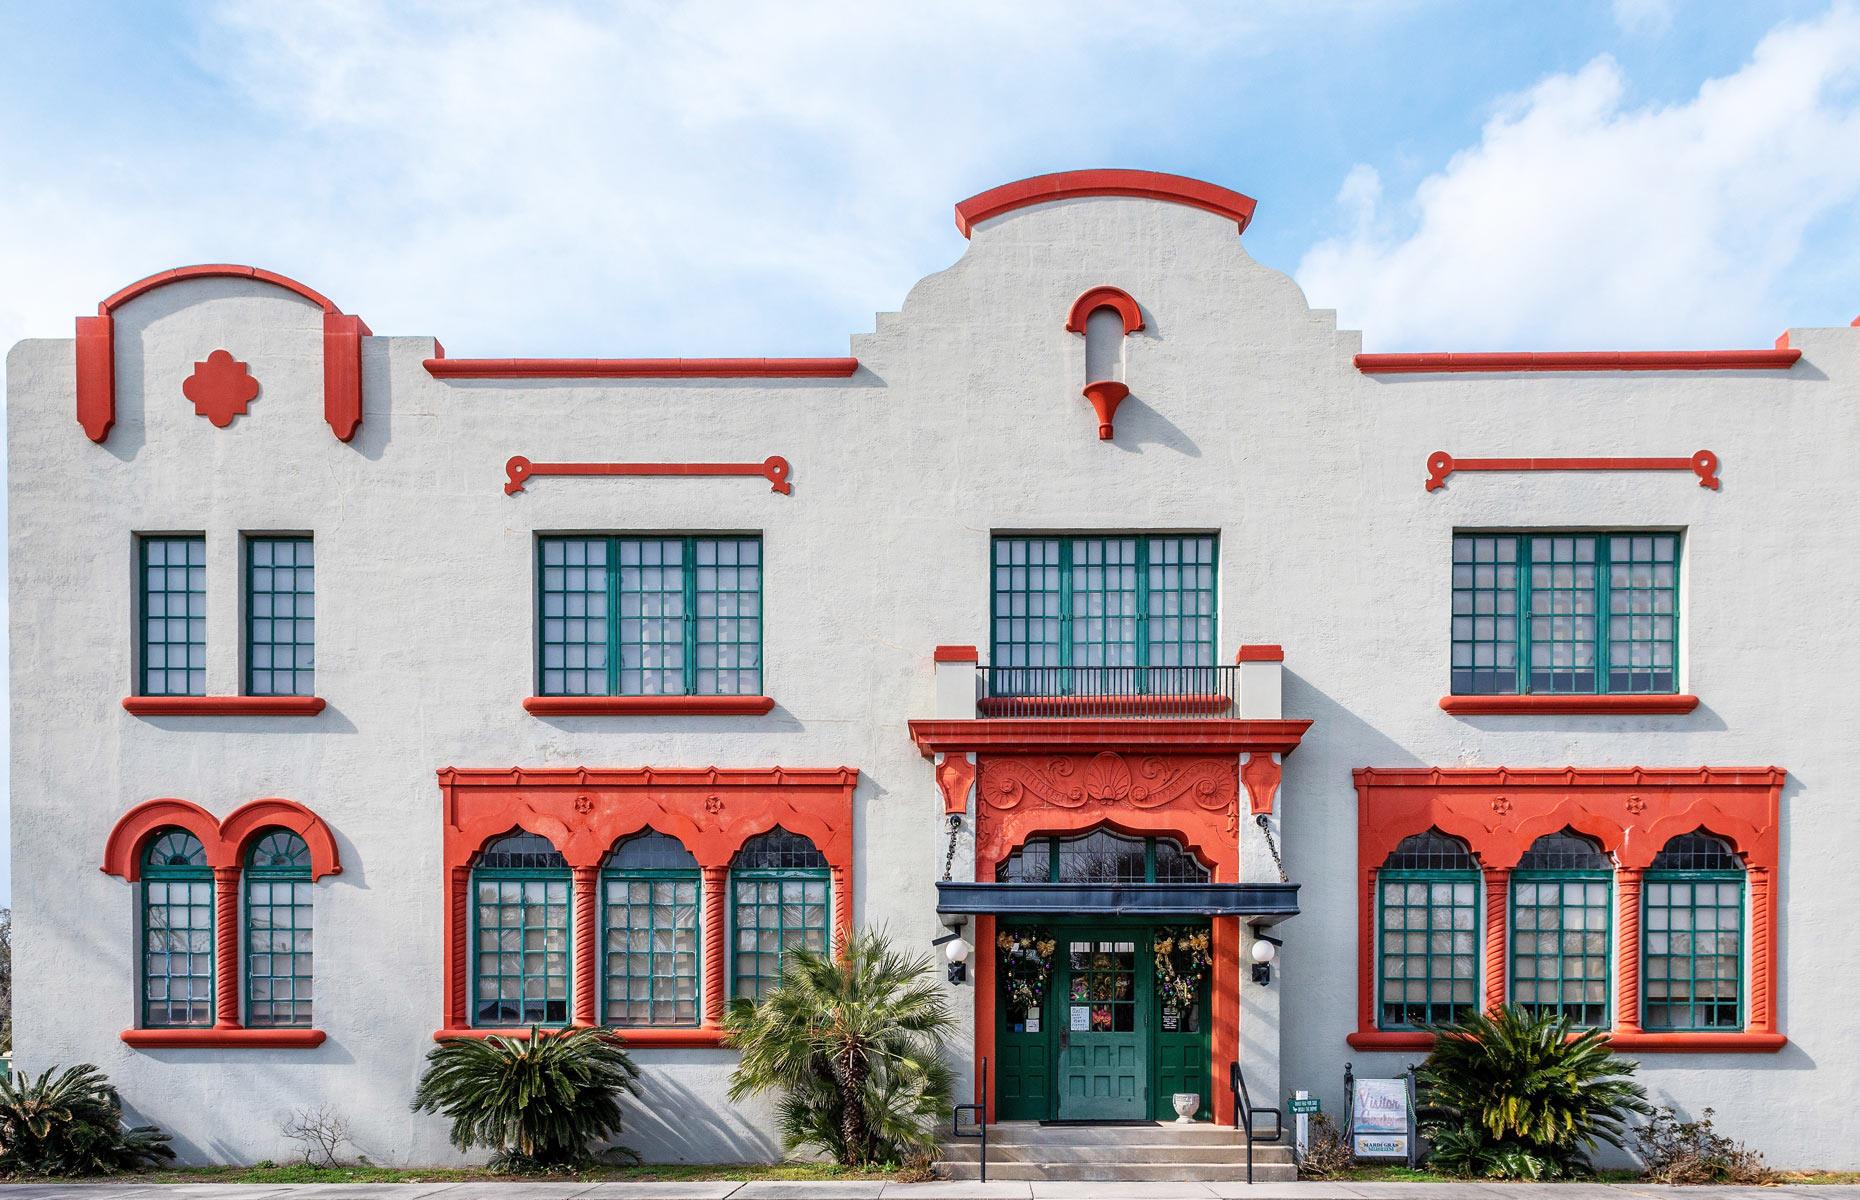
1379, 1118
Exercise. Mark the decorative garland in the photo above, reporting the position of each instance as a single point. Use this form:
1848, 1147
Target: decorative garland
1026, 961
1183, 959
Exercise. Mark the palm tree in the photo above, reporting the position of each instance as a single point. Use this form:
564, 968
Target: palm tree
854, 1044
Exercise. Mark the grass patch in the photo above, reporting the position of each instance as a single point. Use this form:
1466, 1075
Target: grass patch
655, 1173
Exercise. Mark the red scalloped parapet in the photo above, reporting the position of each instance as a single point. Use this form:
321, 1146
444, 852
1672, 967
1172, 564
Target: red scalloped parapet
1072, 185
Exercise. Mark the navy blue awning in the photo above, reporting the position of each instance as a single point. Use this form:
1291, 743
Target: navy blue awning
1264, 903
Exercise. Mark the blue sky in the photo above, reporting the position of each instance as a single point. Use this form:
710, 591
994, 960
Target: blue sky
718, 178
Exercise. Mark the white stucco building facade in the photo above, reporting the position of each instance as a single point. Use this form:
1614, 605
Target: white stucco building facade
1105, 555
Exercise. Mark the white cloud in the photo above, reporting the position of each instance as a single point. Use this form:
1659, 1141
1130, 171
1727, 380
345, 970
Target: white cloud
1645, 18
1579, 220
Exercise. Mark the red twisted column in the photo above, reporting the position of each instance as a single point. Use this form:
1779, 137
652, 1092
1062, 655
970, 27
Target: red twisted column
458, 949
1762, 951
1627, 922
1365, 955
584, 969
842, 909
716, 883
226, 947
1497, 897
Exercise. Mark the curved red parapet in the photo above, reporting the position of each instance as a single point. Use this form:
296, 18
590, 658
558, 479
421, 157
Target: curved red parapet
96, 349
1104, 296
1069, 185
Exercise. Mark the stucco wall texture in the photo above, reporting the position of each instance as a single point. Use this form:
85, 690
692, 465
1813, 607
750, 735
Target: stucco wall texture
1247, 418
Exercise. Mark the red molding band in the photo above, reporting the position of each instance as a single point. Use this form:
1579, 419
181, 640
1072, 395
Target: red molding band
642, 706
1072, 185
1566, 705
656, 1038
1780, 359
1260, 653
955, 654
440, 367
225, 706
1440, 464
221, 1038
774, 468
1163, 735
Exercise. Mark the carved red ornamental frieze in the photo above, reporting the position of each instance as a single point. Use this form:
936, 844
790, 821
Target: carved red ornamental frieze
221, 388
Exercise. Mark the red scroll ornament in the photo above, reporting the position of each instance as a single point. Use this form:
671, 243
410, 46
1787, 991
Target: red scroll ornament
775, 469
1440, 464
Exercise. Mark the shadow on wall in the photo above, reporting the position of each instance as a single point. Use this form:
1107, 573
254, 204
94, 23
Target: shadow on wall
667, 1122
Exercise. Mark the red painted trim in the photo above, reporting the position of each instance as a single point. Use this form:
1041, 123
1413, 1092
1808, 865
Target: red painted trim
225, 841
96, 376
1521, 705
1633, 1043
1105, 395
1579, 360
1104, 296
162, 279
1224, 1042
1034, 735
956, 654
1261, 777
985, 1005
1260, 654
1440, 464
640, 368
1375, 1039
1071, 185
225, 706
640, 706
342, 373
955, 775
1124, 706
235, 1038
699, 1038
774, 468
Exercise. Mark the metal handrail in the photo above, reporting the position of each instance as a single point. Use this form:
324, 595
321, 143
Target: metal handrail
1021, 692
980, 1110
1244, 1112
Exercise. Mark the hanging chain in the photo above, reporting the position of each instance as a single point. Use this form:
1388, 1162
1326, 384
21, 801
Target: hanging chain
1265, 827
949, 859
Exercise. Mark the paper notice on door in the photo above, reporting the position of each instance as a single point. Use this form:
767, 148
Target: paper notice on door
1081, 1018
1033, 1022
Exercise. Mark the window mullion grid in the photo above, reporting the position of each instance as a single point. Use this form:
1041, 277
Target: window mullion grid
614, 650
1142, 625
301, 918
608, 978
689, 581
1604, 544
522, 877
1693, 1001
1522, 681
1065, 615
168, 881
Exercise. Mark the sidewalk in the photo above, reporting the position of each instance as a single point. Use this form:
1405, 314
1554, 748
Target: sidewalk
725, 1190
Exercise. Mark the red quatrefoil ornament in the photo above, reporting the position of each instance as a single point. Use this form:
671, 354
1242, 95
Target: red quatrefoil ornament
220, 388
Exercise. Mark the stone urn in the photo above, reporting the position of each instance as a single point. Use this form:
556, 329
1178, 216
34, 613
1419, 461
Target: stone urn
1187, 1104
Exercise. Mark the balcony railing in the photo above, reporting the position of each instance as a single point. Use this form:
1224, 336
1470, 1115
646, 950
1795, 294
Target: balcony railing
1207, 692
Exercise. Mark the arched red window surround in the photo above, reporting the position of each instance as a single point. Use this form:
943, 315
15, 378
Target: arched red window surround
96, 349
1104, 296
1633, 812
584, 812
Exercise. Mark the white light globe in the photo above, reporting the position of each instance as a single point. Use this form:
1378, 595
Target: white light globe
957, 951
1264, 951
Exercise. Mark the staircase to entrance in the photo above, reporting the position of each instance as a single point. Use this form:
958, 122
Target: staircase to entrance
1124, 1153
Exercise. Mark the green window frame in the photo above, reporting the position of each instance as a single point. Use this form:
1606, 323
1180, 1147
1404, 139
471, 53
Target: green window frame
1562, 930
172, 614
1428, 941
1565, 613
651, 897
1100, 609
280, 616
279, 926
780, 888
522, 934
177, 933
1101, 856
1692, 937
649, 616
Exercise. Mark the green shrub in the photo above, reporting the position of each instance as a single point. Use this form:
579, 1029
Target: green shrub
537, 1103
854, 1045
1510, 1096
71, 1125
1676, 1151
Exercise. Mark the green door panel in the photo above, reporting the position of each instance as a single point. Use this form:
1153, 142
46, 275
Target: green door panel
1104, 1072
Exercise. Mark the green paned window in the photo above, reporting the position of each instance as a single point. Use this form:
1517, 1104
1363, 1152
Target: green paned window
278, 925
1099, 609
177, 932
649, 929
1692, 936
1427, 914
1565, 613
520, 933
779, 885
1101, 857
280, 606
650, 616
173, 615
1562, 929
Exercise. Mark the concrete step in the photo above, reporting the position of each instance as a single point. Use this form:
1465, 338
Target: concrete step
1031, 1133
963, 1152
1103, 1172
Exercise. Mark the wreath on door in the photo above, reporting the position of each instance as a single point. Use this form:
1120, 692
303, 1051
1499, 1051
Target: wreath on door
1183, 958
1026, 964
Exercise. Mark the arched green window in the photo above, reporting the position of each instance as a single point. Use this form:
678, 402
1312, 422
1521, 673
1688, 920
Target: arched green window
1427, 902
177, 932
649, 929
1692, 936
778, 887
1101, 856
278, 924
1561, 928
520, 933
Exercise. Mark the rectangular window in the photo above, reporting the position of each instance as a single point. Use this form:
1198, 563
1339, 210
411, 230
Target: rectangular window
1561, 944
279, 968
173, 615
280, 606
177, 951
1691, 973
522, 926
1565, 613
774, 914
1109, 603
651, 949
1429, 948
650, 616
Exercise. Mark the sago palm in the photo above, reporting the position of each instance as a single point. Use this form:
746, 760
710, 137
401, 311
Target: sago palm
1506, 1087
71, 1125
854, 1045
536, 1103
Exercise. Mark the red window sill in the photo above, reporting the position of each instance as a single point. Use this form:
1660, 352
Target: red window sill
225, 706
646, 1038
268, 1039
1638, 1042
1101, 706
648, 706
1503, 705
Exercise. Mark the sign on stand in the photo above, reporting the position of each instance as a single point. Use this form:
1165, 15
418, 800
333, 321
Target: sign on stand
1382, 1117
1303, 1104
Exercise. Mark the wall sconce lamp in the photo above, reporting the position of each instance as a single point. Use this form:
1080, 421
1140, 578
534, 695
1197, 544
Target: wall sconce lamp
1265, 949
956, 948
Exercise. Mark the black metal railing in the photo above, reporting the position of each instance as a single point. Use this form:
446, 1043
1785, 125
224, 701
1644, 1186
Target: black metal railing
1244, 1112
979, 1111
1108, 691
